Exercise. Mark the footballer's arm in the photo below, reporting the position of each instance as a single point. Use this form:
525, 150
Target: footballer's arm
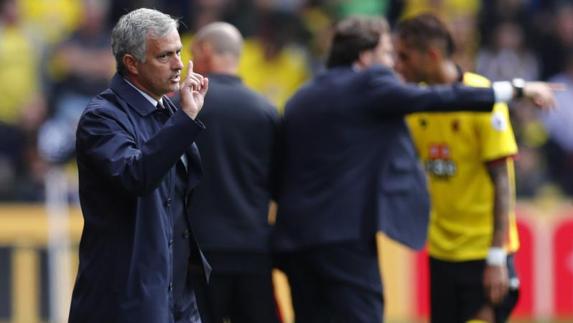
496, 279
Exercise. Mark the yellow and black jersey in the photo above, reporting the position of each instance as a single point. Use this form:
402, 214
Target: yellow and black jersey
454, 148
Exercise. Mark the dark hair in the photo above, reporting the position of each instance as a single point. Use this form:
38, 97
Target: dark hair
421, 30
354, 35
3, 4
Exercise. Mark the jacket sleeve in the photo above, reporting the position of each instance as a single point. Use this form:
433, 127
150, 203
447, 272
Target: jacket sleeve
107, 144
390, 96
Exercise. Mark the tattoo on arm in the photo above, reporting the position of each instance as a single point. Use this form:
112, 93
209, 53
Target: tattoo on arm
503, 200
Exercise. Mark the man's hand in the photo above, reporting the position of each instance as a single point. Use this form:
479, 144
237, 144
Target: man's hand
496, 283
542, 93
192, 92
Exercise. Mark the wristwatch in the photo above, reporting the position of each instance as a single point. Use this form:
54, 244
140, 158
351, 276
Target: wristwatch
518, 84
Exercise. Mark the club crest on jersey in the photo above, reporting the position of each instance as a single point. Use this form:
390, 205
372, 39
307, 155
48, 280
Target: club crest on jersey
498, 121
439, 163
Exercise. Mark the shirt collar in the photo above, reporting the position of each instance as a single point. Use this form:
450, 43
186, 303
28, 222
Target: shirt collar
145, 95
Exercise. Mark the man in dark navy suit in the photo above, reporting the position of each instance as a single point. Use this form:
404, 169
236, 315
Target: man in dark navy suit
350, 170
230, 207
138, 165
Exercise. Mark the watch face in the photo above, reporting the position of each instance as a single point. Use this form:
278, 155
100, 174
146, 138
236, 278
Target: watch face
518, 83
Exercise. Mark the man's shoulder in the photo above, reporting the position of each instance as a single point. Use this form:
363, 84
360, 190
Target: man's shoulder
104, 100
380, 69
347, 77
476, 80
239, 95
254, 95
338, 85
107, 103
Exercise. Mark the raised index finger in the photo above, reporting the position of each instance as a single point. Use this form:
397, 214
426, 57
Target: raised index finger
190, 68
560, 87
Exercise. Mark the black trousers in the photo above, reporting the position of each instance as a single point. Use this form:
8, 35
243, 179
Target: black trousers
197, 281
457, 292
242, 298
190, 314
335, 283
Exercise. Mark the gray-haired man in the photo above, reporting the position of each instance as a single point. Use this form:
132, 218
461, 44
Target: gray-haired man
138, 164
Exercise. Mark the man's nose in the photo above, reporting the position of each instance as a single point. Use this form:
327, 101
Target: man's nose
178, 64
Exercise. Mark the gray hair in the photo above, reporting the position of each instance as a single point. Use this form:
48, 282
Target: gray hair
130, 33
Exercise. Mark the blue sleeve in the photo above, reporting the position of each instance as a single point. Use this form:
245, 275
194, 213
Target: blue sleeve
106, 143
388, 95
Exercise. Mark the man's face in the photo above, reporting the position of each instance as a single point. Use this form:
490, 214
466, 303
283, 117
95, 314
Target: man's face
161, 71
384, 52
412, 63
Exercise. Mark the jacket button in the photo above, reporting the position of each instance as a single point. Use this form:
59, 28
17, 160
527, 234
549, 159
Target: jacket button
186, 234
168, 202
170, 288
170, 243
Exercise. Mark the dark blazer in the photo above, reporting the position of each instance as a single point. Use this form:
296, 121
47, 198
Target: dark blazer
230, 207
350, 168
126, 153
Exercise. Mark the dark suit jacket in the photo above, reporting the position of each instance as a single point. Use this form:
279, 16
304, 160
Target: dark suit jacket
350, 168
230, 207
126, 155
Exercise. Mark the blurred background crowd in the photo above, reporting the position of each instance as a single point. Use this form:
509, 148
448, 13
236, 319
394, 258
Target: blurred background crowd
55, 55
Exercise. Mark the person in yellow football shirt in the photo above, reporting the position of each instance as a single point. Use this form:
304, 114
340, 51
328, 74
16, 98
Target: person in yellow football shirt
468, 159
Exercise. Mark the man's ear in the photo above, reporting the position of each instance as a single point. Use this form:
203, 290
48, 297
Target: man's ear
130, 63
434, 53
207, 49
365, 58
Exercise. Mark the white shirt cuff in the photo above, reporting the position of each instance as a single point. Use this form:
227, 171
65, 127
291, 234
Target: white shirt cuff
503, 91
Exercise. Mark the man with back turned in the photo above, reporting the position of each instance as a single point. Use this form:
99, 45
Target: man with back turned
230, 207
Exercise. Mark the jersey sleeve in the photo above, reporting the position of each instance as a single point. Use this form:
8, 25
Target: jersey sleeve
496, 133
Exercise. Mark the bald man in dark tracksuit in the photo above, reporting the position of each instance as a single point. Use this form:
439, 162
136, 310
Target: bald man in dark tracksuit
230, 207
